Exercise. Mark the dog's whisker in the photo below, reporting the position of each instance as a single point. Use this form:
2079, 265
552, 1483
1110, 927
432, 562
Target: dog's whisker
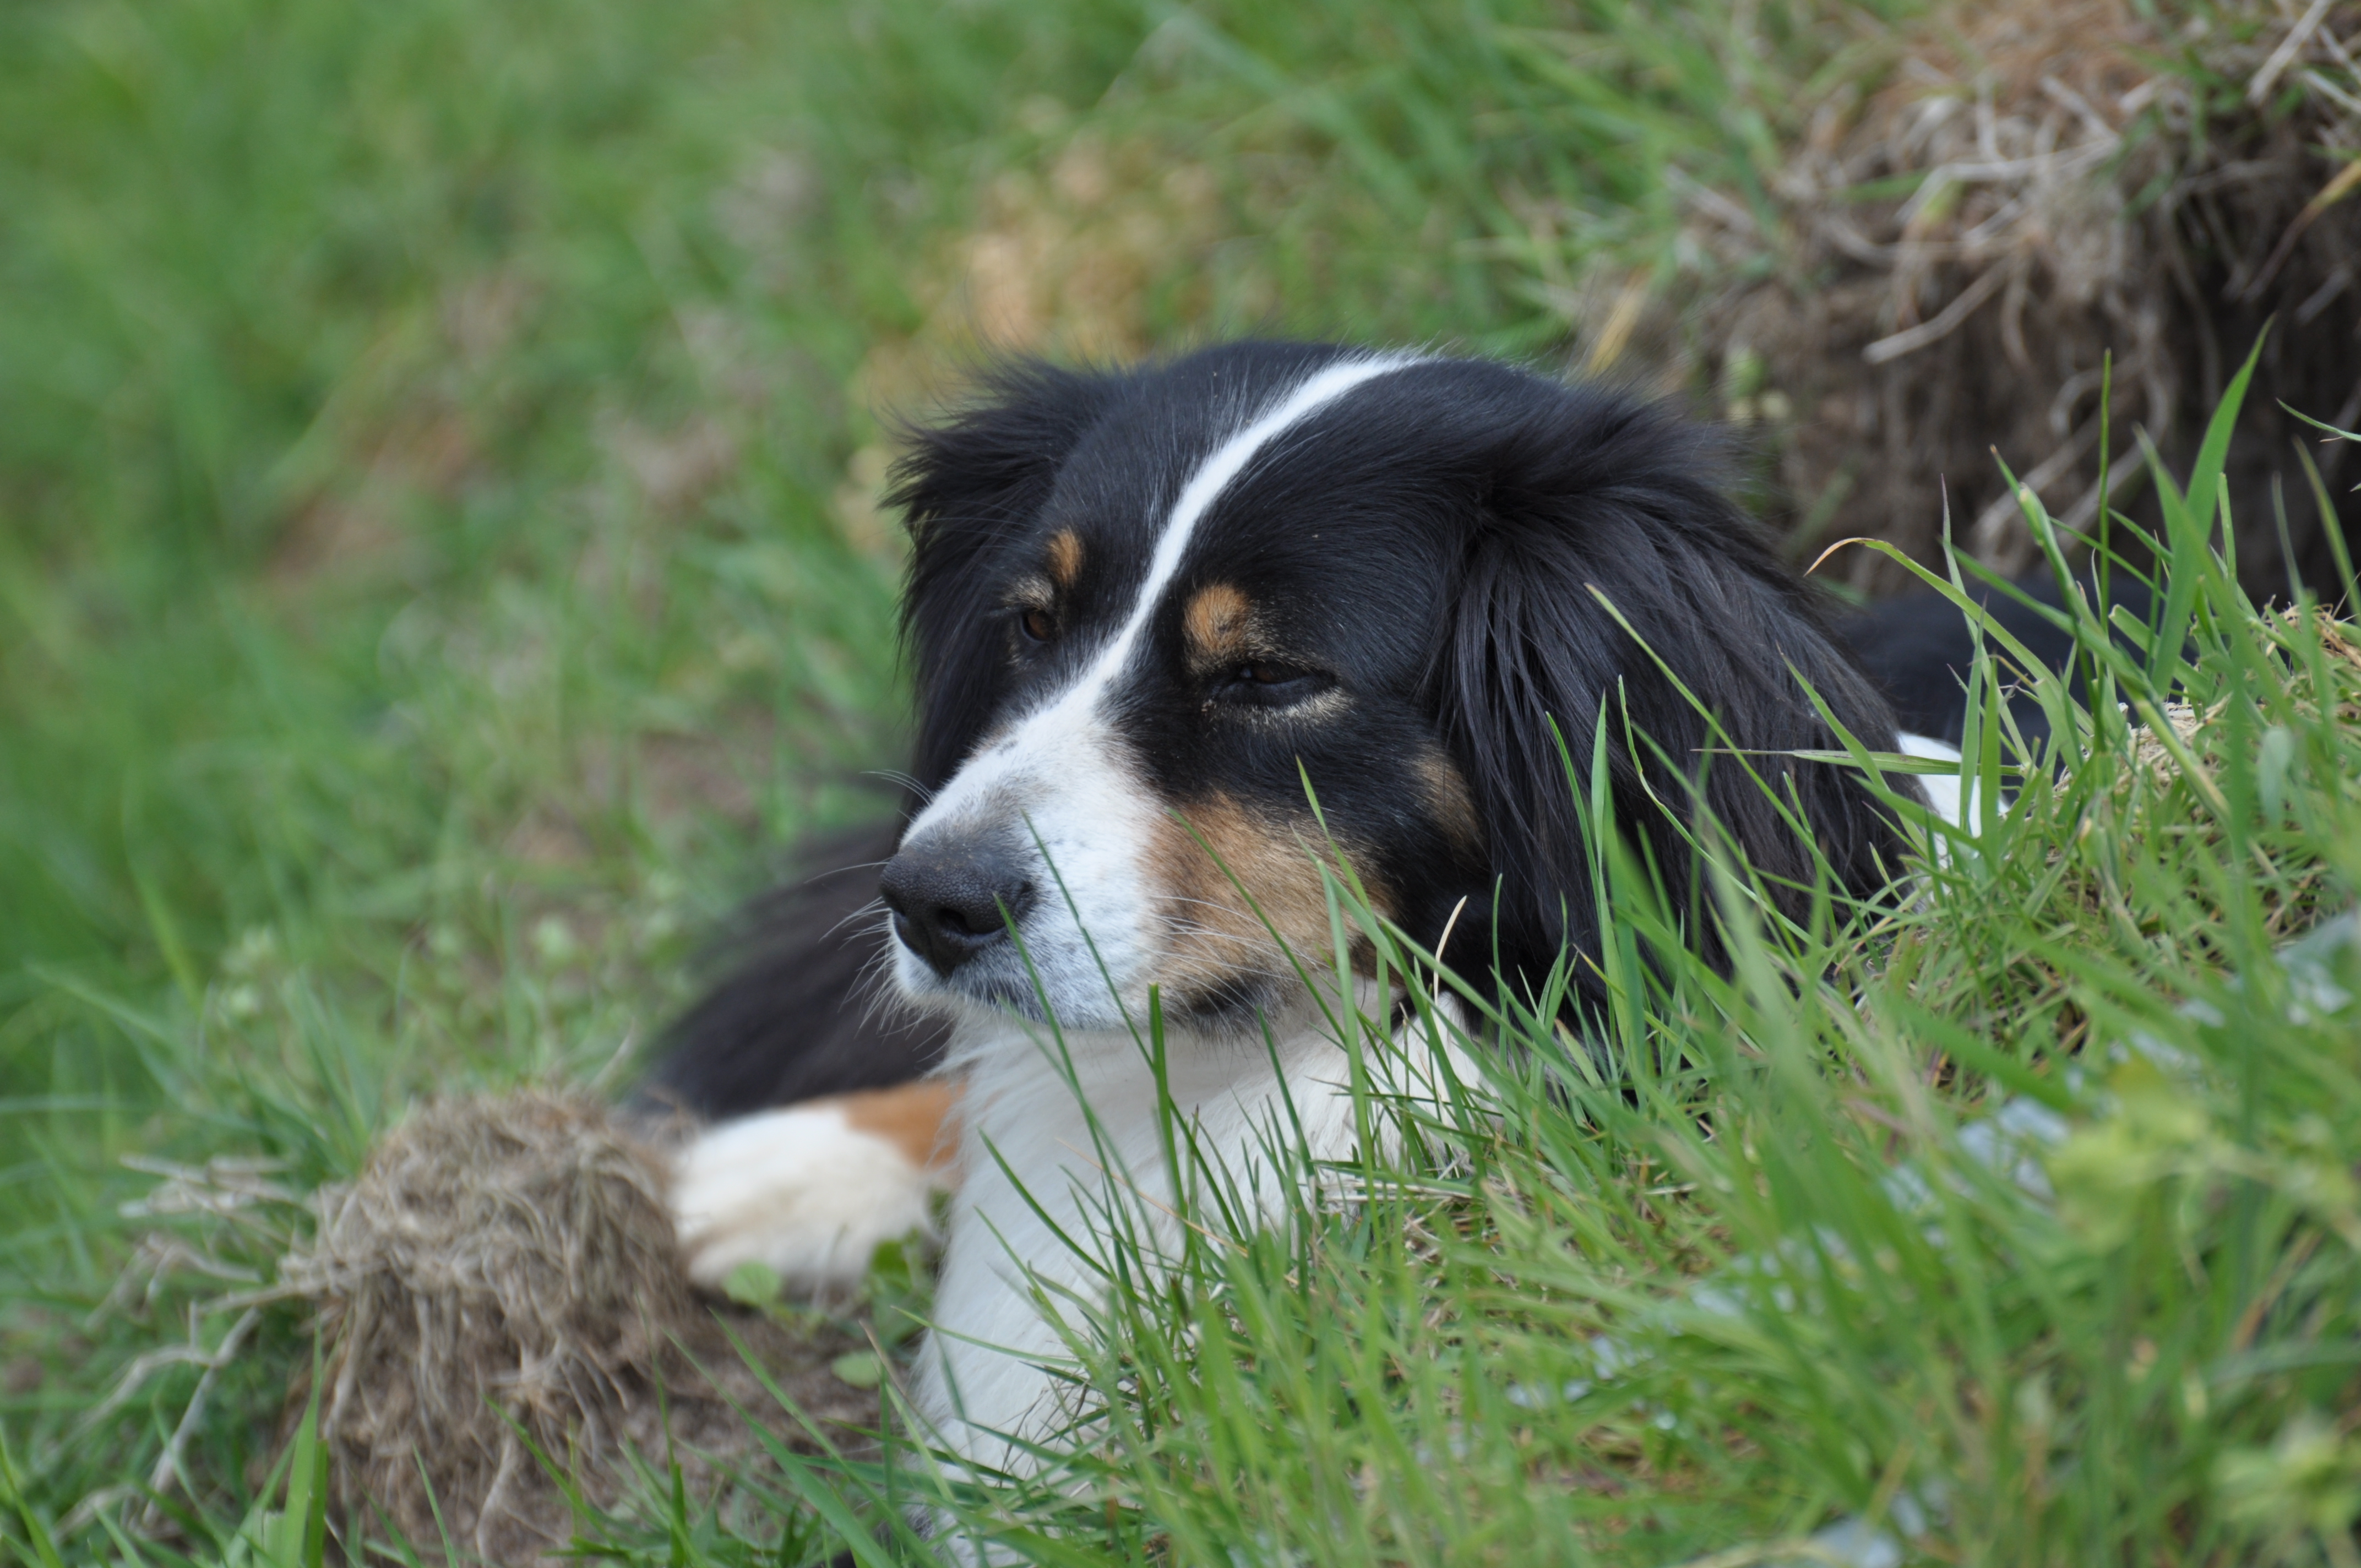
905, 781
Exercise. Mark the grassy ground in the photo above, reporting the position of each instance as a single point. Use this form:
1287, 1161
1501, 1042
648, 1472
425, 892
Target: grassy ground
438, 566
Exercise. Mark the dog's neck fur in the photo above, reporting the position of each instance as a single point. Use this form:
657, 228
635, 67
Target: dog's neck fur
1038, 1163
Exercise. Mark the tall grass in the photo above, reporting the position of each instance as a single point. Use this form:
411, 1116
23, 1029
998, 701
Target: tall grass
2015, 1224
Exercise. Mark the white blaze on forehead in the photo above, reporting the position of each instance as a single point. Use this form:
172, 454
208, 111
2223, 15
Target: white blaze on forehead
1213, 475
1205, 487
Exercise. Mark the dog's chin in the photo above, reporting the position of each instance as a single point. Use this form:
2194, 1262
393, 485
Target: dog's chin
982, 993
1240, 1005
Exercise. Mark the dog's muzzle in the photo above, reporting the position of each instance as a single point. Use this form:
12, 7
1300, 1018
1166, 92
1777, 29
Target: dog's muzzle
955, 894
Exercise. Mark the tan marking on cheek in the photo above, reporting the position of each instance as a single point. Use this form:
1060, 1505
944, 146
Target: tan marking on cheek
1239, 869
1065, 557
921, 1119
1449, 798
1217, 622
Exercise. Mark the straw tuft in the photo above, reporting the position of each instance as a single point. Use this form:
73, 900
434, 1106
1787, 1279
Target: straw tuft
502, 1277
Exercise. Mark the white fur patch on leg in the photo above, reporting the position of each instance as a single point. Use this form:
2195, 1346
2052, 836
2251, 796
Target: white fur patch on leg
803, 1190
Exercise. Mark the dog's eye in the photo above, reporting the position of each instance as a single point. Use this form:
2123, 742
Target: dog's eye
1270, 683
1037, 625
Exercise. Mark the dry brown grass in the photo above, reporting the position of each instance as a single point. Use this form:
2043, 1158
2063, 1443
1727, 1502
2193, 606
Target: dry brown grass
2033, 186
502, 1277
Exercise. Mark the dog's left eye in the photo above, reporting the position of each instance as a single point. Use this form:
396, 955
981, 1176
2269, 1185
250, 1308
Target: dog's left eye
1270, 683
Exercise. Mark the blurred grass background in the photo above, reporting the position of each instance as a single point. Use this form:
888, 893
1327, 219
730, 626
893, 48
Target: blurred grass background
439, 558
437, 443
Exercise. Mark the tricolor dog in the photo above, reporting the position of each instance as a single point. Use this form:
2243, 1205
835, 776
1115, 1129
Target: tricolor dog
1155, 616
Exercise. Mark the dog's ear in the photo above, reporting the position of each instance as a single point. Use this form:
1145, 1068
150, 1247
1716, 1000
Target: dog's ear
1594, 495
967, 485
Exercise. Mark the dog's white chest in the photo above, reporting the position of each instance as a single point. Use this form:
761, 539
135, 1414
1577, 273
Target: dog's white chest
1050, 1185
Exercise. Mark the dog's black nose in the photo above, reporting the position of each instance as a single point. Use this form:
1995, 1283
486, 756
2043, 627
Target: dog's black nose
947, 898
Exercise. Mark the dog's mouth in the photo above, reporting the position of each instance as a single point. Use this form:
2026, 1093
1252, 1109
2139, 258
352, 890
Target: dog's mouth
989, 992
1021, 980
1046, 971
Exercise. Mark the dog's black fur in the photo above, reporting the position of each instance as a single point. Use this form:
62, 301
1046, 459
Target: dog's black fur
1447, 541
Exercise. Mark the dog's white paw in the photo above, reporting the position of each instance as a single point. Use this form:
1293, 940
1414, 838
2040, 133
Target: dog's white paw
809, 1190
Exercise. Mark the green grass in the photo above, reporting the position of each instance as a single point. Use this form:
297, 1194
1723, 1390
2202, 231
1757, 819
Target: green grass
435, 575
2018, 1225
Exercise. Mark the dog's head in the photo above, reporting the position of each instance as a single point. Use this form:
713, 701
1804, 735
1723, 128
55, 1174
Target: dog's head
1148, 610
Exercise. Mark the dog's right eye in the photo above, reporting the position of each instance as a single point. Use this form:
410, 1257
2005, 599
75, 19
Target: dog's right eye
1037, 625
1266, 683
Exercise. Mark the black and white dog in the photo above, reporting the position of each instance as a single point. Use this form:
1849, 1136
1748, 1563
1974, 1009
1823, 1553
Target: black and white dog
1146, 610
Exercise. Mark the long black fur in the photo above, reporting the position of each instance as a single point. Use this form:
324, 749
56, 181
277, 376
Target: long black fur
1590, 500
970, 487
1493, 514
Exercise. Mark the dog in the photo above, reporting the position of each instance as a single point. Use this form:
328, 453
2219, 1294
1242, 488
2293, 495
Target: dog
1190, 641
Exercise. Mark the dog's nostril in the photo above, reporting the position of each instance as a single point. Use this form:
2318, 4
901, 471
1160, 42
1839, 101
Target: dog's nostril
947, 899
957, 922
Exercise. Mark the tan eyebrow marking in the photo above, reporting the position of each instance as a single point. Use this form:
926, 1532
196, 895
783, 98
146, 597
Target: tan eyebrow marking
1217, 622
1065, 557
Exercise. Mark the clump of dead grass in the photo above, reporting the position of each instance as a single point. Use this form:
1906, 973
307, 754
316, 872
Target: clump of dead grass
2033, 187
502, 1279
